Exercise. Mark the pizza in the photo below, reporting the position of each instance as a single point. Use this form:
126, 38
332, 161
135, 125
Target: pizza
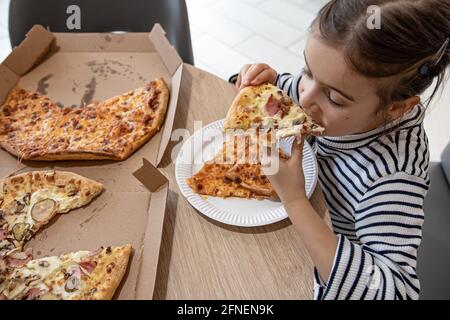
81, 275
250, 177
270, 108
236, 171
32, 127
211, 180
30, 200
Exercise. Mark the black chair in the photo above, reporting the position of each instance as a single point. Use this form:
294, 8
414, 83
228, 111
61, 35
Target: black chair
433, 256
104, 16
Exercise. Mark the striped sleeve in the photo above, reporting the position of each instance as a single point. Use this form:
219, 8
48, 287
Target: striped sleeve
388, 222
289, 83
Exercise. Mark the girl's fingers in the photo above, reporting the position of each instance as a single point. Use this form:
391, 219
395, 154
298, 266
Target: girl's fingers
297, 149
253, 72
265, 76
238, 81
241, 76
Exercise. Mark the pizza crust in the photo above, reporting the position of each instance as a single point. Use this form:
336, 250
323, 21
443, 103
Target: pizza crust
110, 282
73, 155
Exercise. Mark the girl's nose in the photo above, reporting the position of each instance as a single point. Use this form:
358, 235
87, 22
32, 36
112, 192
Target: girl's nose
308, 98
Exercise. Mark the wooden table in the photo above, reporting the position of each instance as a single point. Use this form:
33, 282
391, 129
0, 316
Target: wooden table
203, 259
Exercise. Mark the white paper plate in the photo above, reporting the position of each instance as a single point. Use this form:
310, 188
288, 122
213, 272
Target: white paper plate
203, 145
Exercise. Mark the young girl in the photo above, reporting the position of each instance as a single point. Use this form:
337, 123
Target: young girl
363, 86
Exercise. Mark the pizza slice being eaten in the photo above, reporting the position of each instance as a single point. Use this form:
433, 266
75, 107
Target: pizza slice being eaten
81, 275
269, 108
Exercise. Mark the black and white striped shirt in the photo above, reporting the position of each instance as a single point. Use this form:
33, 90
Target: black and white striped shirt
374, 185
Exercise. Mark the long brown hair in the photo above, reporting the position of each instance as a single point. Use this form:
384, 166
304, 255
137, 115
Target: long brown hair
410, 35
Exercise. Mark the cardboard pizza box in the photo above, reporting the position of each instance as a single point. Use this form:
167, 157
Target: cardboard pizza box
77, 68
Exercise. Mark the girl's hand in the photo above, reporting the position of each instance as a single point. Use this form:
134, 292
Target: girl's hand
254, 75
289, 181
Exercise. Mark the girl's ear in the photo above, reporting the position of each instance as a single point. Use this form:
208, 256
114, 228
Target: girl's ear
398, 109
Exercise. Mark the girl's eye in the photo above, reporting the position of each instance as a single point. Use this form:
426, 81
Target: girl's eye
328, 94
308, 74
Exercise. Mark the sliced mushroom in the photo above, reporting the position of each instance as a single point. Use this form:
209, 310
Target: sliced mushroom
32, 280
43, 210
16, 207
20, 255
26, 198
20, 230
73, 193
73, 283
29, 234
44, 264
16, 288
2, 219
5, 248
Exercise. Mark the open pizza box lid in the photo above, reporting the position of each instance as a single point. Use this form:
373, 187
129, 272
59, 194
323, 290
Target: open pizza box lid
77, 68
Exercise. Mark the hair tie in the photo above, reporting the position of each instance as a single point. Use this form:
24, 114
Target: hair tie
424, 70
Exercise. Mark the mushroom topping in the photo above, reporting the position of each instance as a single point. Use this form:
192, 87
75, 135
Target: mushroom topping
5, 248
20, 230
72, 189
44, 264
43, 210
73, 283
19, 255
26, 198
2, 219
16, 288
16, 207
32, 280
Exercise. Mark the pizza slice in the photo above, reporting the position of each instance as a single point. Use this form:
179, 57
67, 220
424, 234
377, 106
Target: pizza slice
236, 171
32, 127
211, 180
81, 275
270, 108
250, 177
30, 200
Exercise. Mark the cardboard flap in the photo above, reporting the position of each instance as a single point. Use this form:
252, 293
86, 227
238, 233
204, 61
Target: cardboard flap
8, 80
170, 116
168, 54
150, 177
145, 284
30, 51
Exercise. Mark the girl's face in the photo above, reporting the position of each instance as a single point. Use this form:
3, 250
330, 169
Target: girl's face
334, 95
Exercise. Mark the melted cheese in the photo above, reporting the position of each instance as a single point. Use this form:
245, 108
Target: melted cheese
286, 132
